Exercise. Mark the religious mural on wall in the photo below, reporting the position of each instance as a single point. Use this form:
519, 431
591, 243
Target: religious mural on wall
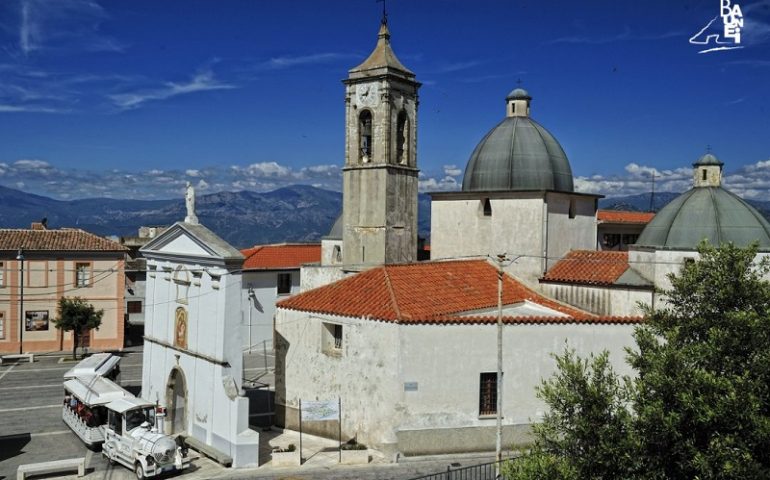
180, 328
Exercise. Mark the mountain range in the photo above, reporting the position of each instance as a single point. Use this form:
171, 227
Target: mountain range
298, 213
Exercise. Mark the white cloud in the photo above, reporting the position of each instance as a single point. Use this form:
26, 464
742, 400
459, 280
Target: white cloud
200, 82
192, 173
278, 63
202, 185
452, 170
431, 184
267, 169
31, 164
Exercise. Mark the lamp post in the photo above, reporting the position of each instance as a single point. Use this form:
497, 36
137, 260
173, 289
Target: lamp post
20, 258
499, 443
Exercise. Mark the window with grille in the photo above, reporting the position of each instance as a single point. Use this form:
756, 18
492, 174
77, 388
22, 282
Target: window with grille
284, 283
488, 394
82, 272
134, 306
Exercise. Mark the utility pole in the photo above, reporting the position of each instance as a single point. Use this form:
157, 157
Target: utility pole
20, 258
499, 443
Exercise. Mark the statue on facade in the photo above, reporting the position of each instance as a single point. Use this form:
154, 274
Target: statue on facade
189, 198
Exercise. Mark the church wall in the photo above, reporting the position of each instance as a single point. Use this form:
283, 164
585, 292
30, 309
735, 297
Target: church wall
565, 233
314, 276
446, 361
259, 309
460, 229
415, 389
615, 301
364, 374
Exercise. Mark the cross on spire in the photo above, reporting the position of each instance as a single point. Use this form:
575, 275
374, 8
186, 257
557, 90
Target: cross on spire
708, 148
518, 82
384, 12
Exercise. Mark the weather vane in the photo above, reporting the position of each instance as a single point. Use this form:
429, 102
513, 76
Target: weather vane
384, 12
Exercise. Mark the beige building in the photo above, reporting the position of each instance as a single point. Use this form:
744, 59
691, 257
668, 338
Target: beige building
55, 264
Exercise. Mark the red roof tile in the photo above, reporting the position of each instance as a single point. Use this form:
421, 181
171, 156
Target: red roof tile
616, 216
280, 256
66, 239
590, 267
431, 292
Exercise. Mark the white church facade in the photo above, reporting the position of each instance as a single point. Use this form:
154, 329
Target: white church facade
192, 359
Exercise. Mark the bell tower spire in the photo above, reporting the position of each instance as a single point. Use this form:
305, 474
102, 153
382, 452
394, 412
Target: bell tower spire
380, 173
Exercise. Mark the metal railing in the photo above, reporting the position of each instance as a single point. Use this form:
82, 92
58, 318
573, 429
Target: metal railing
482, 471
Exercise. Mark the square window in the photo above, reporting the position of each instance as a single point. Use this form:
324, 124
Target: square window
82, 274
134, 306
488, 393
284, 283
331, 343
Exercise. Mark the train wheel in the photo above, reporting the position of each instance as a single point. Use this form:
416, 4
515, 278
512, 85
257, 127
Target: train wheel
139, 471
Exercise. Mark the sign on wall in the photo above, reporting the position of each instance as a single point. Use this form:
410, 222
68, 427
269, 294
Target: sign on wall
36, 320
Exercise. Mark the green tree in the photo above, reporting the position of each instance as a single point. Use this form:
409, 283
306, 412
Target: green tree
77, 316
703, 362
699, 404
585, 432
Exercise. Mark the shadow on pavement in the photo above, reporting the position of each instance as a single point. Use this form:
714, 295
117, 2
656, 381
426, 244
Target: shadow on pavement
12, 445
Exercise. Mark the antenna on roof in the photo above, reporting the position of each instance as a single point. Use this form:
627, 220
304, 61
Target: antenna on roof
652, 195
384, 12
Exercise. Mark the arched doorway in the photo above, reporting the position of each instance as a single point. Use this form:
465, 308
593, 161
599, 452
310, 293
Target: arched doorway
176, 399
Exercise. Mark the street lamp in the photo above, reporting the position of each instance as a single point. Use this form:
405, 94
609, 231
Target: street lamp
20, 258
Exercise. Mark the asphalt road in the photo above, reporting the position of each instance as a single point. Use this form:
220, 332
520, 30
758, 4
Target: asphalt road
31, 428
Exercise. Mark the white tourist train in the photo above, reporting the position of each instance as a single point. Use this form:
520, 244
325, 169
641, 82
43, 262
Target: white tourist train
128, 428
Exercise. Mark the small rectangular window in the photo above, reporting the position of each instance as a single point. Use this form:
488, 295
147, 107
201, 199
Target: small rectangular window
82, 274
2, 325
572, 208
134, 306
284, 283
2, 274
488, 393
704, 174
331, 343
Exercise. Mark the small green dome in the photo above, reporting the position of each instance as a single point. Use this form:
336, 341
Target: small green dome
710, 213
518, 93
708, 159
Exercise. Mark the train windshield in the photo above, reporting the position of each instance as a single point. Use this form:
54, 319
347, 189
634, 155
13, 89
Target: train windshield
135, 418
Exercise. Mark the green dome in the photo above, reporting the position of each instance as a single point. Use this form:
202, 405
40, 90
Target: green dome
708, 159
518, 154
518, 93
710, 213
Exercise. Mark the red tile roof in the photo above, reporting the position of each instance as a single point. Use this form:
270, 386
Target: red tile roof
280, 256
432, 292
65, 239
617, 216
590, 267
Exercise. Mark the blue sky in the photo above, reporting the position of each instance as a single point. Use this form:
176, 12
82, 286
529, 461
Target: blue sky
131, 99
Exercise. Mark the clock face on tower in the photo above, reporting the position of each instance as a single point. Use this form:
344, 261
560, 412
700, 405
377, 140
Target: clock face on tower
367, 94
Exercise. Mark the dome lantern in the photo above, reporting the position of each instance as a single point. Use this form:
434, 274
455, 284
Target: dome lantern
517, 103
707, 171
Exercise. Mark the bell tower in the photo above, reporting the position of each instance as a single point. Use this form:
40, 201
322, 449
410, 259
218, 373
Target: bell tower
380, 173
